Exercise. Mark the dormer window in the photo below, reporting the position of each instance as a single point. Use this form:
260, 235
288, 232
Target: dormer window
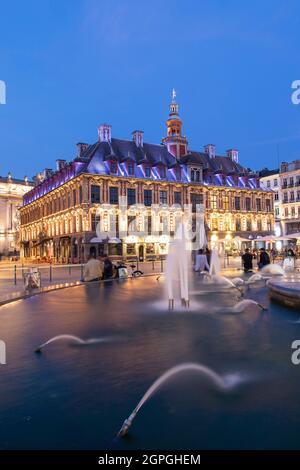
113, 168
147, 171
177, 173
162, 172
130, 169
195, 175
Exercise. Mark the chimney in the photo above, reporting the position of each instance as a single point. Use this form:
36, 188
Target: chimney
138, 138
104, 133
47, 173
210, 150
60, 164
233, 154
81, 147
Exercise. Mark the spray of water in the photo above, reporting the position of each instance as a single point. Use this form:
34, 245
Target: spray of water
177, 268
274, 269
224, 383
254, 278
241, 306
72, 339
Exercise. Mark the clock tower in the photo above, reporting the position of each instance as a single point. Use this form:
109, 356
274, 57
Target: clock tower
175, 141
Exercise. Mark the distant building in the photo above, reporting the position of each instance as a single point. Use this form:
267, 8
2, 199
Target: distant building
60, 215
11, 198
285, 182
290, 187
270, 180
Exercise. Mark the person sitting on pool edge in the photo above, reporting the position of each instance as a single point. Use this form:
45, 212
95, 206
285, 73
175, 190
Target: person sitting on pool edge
93, 270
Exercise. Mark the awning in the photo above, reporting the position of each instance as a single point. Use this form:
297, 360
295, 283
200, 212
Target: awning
105, 240
96, 240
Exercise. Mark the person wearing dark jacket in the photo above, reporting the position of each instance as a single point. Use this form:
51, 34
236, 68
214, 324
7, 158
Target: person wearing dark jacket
108, 268
264, 258
247, 260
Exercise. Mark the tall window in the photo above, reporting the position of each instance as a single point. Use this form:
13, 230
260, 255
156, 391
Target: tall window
74, 197
95, 194
238, 225
292, 196
131, 197
113, 195
268, 205
196, 200
131, 223
213, 201
258, 205
225, 202
248, 225
80, 194
195, 175
95, 221
248, 203
237, 203
149, 224
163, 197
177, 197
275, 183
258, 224
148, 197
276, 198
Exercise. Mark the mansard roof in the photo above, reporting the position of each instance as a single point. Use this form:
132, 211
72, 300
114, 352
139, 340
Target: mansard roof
122, 150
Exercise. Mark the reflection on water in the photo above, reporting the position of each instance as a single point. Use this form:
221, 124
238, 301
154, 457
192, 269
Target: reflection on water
77, 397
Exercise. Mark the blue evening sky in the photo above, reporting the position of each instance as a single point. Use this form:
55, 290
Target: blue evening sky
70, 65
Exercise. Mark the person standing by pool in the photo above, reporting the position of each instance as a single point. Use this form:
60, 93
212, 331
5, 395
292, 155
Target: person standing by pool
93, 270
264, 258
247, 258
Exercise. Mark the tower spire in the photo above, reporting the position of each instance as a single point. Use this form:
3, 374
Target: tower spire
176, 143
173, 95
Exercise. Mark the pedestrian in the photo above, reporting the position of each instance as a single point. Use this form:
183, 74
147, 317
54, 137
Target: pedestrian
108, 268
264, 258
93, 270
247, 259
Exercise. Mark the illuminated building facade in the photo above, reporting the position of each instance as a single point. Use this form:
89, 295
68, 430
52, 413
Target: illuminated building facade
11, 199
60, 215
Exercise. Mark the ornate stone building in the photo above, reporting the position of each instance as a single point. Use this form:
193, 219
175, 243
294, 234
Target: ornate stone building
60, 215
11, 199
285, 182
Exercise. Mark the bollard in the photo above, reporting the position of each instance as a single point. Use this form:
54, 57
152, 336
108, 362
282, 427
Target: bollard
137, 263
161, 264
40, 273
50, 273
15, 274
153, 265
70, 269
81, 274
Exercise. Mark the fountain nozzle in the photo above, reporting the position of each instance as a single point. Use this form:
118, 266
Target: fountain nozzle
126, 425
171, 304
